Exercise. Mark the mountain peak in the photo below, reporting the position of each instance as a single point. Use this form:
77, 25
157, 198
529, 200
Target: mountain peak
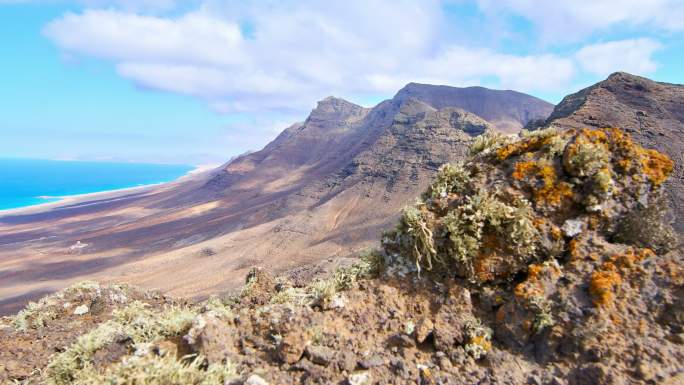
334, 108
335, 103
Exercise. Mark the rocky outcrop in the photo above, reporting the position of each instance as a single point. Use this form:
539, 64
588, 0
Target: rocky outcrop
652, 112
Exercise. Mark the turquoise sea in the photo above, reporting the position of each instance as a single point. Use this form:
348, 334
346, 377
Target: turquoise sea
26, 182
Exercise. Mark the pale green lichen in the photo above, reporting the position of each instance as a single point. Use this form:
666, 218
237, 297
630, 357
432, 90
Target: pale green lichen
465, 226
34, 316
163, 370
648, 227
291, 295
321, 291
217, 307
488, 143
543, 318
38, 314
136, 323
451, 178
82, 287
417, 236
584, 158
479, 339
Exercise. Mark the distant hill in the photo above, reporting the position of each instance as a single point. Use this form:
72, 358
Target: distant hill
508, 111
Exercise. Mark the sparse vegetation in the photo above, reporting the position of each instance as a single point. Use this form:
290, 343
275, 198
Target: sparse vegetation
135, 325
451, 179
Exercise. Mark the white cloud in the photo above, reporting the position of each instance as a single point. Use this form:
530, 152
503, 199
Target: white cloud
634, 56
125, 37
128, 5
282, 56
563, 20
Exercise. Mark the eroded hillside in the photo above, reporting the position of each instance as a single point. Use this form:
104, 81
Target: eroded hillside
320, 192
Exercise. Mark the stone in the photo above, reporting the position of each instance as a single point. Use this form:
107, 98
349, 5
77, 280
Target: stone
371, 362
81, 310
347, 361
255, 379
320, 355
400, 340
339, 301
423, 329
359, 379
572, 227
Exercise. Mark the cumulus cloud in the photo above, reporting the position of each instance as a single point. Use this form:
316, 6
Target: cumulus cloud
562, 20
281, 56
633, 56
128, 5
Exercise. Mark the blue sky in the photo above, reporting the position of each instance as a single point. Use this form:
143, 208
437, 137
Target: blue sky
200, 81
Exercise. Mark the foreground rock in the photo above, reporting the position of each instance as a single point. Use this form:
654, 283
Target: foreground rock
519, 266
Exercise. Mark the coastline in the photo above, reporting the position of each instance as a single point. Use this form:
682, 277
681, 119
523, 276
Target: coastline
106, 194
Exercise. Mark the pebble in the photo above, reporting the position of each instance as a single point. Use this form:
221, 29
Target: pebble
83, 309
256, 380
320, 355
359, 379
371, 362
572, 227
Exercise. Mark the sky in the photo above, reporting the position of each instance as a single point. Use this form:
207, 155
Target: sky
201, 81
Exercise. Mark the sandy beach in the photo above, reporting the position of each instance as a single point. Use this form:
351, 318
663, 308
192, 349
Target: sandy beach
112, 195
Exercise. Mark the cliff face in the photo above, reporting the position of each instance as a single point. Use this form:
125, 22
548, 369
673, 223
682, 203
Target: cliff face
652, 112
323, 189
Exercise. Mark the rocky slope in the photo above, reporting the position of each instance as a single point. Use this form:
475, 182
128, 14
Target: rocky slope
322, 190
520, 265
508, 111
652, 112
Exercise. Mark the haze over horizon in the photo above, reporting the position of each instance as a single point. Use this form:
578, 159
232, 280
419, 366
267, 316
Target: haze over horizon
200, 81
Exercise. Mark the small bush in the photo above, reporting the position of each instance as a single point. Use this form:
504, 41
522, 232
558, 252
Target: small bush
647, 227
451, 178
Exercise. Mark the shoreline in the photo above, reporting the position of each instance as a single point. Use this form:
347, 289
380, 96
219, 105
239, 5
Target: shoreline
106, 194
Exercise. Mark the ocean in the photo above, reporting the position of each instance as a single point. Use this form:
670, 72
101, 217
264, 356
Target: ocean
26, 182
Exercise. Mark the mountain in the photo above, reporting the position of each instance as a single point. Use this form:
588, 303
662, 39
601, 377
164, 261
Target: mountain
508, 111
322, 190
652, 112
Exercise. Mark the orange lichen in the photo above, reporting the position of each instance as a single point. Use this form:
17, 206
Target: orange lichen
539, 222
609, 276
529, 144
483, 269
656, 166
532, 286
573, 248
603, 284
523, 169
634, 159
595, 136
482, 341
554, 194
547, 190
